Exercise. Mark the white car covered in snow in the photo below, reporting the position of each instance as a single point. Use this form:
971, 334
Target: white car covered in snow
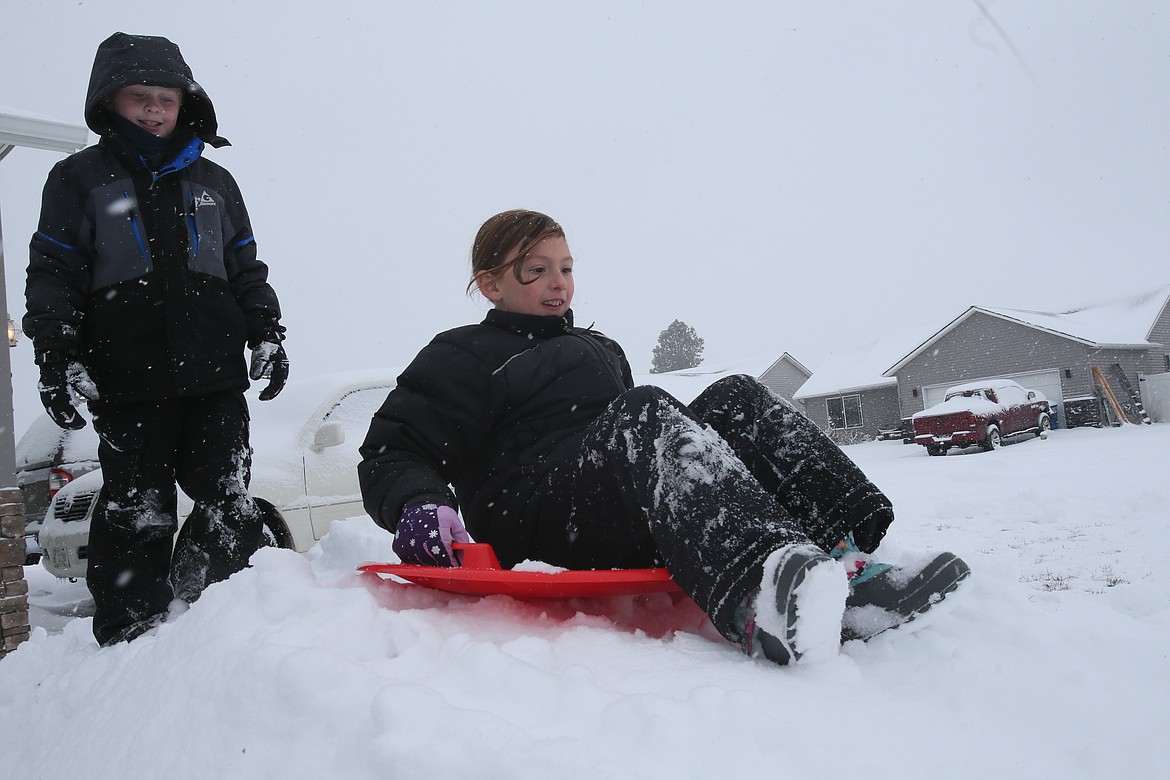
47, 458
304, 467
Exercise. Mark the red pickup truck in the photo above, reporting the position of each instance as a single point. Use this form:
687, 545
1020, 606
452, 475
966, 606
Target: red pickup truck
983, 413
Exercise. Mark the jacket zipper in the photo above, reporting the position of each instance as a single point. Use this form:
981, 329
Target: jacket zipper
132, 213
193, 228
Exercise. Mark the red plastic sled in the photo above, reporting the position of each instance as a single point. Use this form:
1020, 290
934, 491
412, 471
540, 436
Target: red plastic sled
481, 575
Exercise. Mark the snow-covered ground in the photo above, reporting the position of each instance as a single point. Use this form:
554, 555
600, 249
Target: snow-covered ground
1053, 662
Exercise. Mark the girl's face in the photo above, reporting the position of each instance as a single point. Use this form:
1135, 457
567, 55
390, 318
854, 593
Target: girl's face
547, 274
154, 109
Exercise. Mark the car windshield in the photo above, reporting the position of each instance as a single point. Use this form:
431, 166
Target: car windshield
356, 408
1012, 395
972, 393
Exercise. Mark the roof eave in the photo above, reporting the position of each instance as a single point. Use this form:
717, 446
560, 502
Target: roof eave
842, 391
893, 370
40, 133
787, 357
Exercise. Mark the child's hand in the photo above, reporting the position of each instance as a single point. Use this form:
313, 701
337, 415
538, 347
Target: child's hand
425, 533
269, 360
58, 377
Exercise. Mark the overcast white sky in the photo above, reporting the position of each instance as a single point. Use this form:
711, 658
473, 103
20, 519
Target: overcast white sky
783, 176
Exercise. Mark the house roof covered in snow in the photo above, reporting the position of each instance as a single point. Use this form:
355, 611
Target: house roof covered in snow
861, 367
1118, 323
686, 384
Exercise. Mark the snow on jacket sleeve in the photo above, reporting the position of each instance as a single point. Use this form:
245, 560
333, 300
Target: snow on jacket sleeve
426, 431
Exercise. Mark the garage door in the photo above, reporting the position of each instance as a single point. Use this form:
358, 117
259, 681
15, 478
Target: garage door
1044, 382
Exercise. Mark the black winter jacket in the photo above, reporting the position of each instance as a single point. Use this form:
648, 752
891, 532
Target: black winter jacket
489, 409
149, 277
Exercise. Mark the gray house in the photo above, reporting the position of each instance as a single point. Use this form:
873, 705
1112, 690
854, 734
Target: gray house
1052, 352
870, 391
785, 377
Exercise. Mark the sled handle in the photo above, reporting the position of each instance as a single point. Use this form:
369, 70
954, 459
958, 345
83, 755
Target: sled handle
476, 555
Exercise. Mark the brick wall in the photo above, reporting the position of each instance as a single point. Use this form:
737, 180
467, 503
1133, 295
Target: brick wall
14, 625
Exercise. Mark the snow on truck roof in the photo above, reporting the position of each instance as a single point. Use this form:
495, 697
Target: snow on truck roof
992, 383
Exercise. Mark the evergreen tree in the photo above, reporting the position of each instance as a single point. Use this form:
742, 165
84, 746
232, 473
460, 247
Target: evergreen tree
679, 347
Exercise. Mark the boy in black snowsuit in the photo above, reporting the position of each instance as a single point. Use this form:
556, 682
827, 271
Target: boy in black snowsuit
143, 288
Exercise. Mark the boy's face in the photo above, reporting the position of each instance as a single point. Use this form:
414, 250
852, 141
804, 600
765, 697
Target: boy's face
548, 273
154, 109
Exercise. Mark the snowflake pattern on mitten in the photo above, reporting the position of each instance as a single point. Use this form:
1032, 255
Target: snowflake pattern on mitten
420, 538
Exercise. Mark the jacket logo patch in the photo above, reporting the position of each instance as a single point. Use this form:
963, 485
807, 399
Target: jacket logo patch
204, 200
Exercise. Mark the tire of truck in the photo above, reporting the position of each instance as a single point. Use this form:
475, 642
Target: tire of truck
1043, 425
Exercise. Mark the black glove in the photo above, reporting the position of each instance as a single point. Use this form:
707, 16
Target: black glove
54, 387
270, 360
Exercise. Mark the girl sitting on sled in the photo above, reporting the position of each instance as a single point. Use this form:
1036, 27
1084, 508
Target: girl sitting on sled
554, 455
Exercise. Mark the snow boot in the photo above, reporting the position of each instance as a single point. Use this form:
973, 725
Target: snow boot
893, 596
798, 611
133, 630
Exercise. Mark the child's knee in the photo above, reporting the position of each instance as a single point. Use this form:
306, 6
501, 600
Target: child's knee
646, 397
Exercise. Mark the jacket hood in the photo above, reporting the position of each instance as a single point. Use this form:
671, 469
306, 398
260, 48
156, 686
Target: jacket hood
124, 59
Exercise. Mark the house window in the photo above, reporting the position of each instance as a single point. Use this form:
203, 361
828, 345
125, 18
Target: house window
844, 412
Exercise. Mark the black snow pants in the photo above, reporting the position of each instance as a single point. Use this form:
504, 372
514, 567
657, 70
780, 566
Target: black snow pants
200, 442
708, 490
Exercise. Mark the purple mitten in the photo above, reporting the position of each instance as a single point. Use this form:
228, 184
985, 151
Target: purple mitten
426, 531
